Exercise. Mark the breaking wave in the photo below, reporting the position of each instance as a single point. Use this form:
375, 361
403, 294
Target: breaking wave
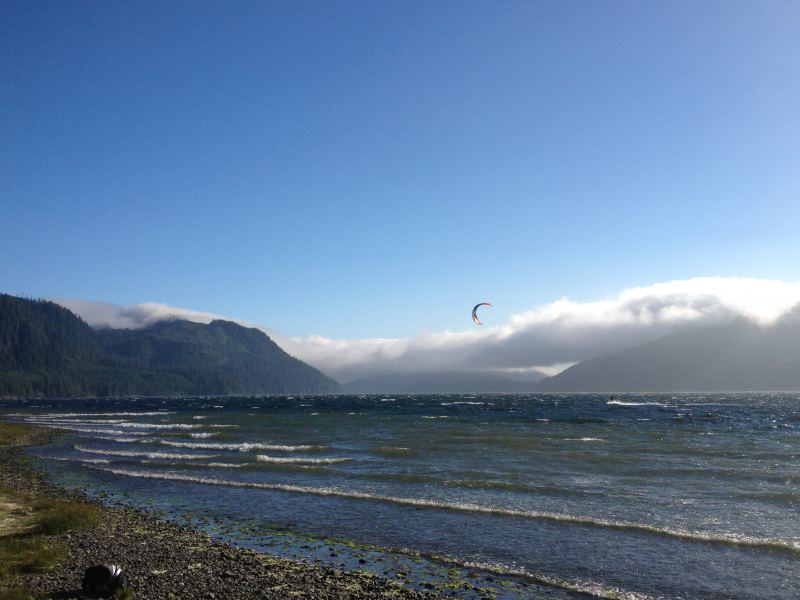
242, 447
95, 430
131, 454
301, 461
96, 414
590, 588
88, 461
623, 403
732, 539
119, 440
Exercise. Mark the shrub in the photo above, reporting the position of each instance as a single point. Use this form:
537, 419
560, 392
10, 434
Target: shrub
26, 555
56, 516
16, 593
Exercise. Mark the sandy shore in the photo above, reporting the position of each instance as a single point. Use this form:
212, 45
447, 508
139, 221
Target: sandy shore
166, 560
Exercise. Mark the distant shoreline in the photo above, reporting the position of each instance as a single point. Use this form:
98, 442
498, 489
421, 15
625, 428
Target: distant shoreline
163, 558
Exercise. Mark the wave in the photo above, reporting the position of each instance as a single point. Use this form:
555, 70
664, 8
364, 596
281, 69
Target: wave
96, 430
88, 461
590, 588
732, 539
182, 465
300, 461
509, 486
623, 403
119, 440
131, 454
393, 451
96, 414
243, 446
54, 421
460, 402
204, 434
584, 439
160, 425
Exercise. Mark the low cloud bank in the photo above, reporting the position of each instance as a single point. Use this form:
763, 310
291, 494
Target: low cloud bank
105, 315
547, 338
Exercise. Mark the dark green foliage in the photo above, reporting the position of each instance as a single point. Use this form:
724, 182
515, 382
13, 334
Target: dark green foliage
46, 350
41, 335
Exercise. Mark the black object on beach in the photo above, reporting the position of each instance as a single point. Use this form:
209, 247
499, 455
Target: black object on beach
103, 580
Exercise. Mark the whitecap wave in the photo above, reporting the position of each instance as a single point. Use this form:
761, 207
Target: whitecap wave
301, 461
132, 454
591, 588
733, 539
623, 403
182, 465
97, 414
54, 421
461, 402
96, 430
160, 425
242, 447
88, 461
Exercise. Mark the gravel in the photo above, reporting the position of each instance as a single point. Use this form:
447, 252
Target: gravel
166, 560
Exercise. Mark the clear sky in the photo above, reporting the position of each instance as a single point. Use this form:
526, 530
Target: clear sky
368, 169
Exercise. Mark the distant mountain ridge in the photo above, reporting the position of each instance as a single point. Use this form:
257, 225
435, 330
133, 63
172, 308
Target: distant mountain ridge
46, 350
733, 356
736, 355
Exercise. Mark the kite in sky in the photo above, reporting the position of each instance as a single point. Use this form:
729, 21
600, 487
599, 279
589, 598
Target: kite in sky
475, 312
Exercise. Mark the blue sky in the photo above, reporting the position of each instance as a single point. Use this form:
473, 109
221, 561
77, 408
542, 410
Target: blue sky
374, 169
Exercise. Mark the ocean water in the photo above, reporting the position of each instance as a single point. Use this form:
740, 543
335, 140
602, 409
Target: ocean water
652, 496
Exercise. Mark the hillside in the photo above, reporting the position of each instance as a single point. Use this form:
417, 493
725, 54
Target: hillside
46, 350
727, 357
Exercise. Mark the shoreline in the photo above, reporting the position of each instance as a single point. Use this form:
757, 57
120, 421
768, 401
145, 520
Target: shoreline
163, 559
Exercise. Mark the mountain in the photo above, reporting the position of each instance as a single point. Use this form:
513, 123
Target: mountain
46, 350
438, 383
735, 356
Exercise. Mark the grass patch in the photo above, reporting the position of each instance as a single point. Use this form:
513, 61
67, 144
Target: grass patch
27, 521
57, 516
26, 554
121, 594
14, 433
16, 593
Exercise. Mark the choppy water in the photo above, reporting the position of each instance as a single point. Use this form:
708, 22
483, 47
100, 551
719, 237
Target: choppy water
690, 496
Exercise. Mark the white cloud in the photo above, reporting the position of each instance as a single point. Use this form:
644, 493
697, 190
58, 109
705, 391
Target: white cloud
546, 338
103, 315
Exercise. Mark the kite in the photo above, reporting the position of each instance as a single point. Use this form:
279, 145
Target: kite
475, 312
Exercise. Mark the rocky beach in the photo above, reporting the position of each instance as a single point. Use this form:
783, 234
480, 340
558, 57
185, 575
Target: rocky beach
164, 559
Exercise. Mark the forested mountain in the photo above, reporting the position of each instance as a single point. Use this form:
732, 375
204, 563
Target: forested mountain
46, 350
